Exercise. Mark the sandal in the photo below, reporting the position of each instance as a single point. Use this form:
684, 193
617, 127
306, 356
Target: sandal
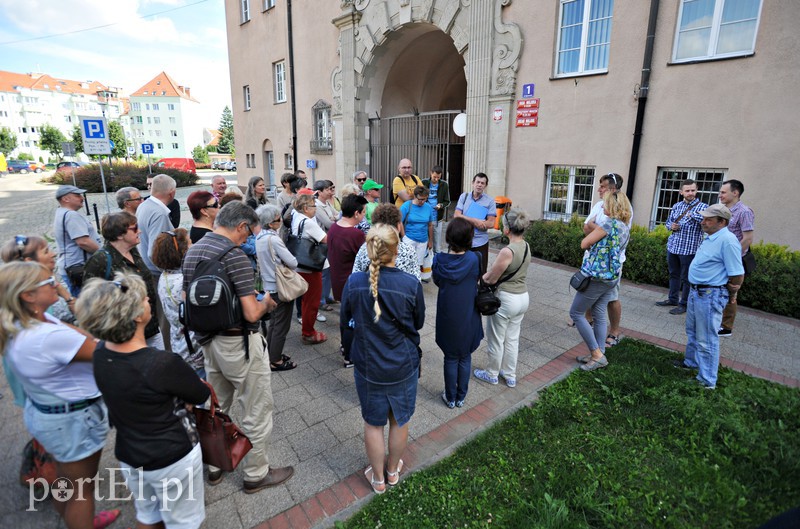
285, 365
393, 478
612, 340
584, 359
105, 518
317, 337
593, 364
379, 487
285, 358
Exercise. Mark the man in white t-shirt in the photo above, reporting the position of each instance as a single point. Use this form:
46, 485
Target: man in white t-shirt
610, 183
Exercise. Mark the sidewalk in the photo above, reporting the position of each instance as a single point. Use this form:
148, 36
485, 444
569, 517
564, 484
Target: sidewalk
318, 426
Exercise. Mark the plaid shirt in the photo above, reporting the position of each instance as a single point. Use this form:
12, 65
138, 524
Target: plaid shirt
742, 219
688, 237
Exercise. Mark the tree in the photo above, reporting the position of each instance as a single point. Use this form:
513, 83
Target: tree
77, 139
200, 154
117, 135
226, 142
50, 139
8, 141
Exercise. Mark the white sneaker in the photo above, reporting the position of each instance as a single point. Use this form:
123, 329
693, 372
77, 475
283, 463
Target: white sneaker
320, 317
300, 321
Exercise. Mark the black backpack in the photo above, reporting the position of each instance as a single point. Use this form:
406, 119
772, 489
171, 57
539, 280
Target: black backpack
211, 302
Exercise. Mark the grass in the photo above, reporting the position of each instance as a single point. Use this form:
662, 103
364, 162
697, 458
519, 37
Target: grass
632, 445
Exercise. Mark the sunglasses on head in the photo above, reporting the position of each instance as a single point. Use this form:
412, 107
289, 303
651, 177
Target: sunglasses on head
21, 241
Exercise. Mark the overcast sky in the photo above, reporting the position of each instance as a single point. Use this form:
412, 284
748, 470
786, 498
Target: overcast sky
188, 42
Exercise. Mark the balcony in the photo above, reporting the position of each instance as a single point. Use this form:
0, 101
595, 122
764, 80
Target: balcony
323, 146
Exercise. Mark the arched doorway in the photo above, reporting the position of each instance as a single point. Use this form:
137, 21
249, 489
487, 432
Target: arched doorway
417, 87
268, 163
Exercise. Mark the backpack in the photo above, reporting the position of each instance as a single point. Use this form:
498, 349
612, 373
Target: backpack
413, 177
211, 302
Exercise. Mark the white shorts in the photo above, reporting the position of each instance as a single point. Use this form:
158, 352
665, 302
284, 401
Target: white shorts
173, 494
421, 248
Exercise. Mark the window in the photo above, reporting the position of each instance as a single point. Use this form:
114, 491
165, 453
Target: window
68, 119
245, 10
569, 191
159, 146
146, 105
288, 161
269, 4
156, 121
149, 120
171, 121
279, 74
322, 139
155, 106
137, 119
174, 145
163, 92
584, 36
669, 184
170, 106
136, 107
246, 94
251, 161
709, 29
173, 133
158, 133
271, 168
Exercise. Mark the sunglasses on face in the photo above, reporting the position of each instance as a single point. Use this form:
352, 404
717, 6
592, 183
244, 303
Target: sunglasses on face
51, 281
361, 179
215, 205
133, 228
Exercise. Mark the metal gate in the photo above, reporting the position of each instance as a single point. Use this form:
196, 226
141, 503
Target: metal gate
427, 139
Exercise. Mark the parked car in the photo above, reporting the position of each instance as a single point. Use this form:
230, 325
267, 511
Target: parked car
182, 164
231, 165
36, 167
18, 166
67, 166
218, 164
50, 167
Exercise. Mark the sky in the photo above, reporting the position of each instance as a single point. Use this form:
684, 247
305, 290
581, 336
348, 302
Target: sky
187, 40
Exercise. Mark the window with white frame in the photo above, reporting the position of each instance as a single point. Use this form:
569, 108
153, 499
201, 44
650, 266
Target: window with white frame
136, 107
709, 29
569, 191
174, 145
584, 36
158, 133
245, 10
171, 121
268, 4
246, 94
155, 106
270, 167
668, 188
322, 141
173, 133
170, 107
279, 76
159, 146
157, 121
288, 161
147, 105
137, 119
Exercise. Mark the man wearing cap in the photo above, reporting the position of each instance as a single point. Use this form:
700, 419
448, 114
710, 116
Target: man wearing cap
715, 275
439, 199
684, 223
404, 183
741, 225
372, 192
75, 236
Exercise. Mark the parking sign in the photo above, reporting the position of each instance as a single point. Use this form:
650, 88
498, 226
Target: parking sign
147, 148
95, 137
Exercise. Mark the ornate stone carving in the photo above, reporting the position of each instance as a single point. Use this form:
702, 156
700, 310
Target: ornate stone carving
361, 5
505, 59
336, 89
347, 3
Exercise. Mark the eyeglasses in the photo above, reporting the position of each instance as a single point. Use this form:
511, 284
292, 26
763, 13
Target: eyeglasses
51, 281
134, 199
21, 241
276, 220
405, 167
215, 205
361, 179
133, 228
122, 287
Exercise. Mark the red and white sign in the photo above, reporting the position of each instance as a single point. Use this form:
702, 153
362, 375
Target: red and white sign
528, 112
498, 114
528, 122
527, 103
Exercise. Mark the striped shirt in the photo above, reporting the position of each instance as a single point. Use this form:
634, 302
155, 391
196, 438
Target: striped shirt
742, 219
688, 237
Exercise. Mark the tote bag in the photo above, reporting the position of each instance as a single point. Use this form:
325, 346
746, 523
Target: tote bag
310, 254
291, 285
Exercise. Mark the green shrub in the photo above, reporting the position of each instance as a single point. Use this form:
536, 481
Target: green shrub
25, 156
773, 287
123, 174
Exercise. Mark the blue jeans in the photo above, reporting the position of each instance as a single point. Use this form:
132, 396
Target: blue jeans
703, 318
457, 370
597, 297
326, 286
678, 266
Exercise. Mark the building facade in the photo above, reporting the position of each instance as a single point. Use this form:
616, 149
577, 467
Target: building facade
166, 115
29, 101
556, 93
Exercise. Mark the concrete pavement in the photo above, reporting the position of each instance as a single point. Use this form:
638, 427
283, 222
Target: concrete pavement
318, 426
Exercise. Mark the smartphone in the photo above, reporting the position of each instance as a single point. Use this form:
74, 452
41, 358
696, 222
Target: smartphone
260, 297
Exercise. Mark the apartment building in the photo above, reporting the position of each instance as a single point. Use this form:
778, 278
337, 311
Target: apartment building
556, 93
29, 101
165, 114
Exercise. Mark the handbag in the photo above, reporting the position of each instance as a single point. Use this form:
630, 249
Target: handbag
310, 254
749, 263
579, 282
223, 444
291, 285
486, 300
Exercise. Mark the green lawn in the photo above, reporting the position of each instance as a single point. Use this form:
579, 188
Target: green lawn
631, 445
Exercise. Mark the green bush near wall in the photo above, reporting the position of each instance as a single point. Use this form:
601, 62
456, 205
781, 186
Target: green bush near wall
123, 174
774, 286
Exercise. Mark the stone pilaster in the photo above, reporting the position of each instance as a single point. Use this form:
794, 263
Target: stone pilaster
344, 85
478, 66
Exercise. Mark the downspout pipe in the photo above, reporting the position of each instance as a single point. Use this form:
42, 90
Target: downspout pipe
644, 89
291, 82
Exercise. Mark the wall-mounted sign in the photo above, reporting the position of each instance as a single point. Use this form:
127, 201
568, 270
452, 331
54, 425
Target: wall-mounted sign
527, 90
498, 114
527, 112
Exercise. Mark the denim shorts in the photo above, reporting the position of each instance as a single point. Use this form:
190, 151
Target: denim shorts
377, 400
69, 437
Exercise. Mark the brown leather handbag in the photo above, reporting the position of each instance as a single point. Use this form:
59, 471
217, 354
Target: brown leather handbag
223, 444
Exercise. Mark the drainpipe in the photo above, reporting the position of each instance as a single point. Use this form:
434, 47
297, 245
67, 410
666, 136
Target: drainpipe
291, 82
644, 88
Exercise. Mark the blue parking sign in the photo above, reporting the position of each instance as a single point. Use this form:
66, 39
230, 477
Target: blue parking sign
147, 148
94, 129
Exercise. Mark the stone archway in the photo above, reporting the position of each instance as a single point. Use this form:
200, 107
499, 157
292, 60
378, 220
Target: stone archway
371, 35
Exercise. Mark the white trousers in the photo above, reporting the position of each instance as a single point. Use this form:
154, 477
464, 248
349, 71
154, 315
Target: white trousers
502, 333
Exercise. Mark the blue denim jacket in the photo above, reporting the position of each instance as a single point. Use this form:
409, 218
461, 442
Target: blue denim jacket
385, 352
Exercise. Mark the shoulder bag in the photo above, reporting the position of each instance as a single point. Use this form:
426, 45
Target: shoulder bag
223, 444
291, 285
486, 301
310, 254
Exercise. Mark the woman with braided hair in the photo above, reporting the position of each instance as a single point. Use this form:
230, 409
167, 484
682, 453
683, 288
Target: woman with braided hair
388, 308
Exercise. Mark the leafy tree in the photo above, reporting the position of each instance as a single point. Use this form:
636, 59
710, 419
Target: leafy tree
50, 139
117, 135
226, 142
8, 140
200, 154
77, 139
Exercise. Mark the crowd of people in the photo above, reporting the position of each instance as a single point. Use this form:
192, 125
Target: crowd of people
104, 341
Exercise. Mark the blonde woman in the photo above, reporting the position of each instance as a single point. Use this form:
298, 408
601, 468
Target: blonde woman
388, 308
64, 410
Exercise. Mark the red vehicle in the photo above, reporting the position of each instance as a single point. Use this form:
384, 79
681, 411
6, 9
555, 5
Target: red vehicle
182, 164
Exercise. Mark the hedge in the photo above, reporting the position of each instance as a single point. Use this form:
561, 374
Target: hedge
123, 174
774, 286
